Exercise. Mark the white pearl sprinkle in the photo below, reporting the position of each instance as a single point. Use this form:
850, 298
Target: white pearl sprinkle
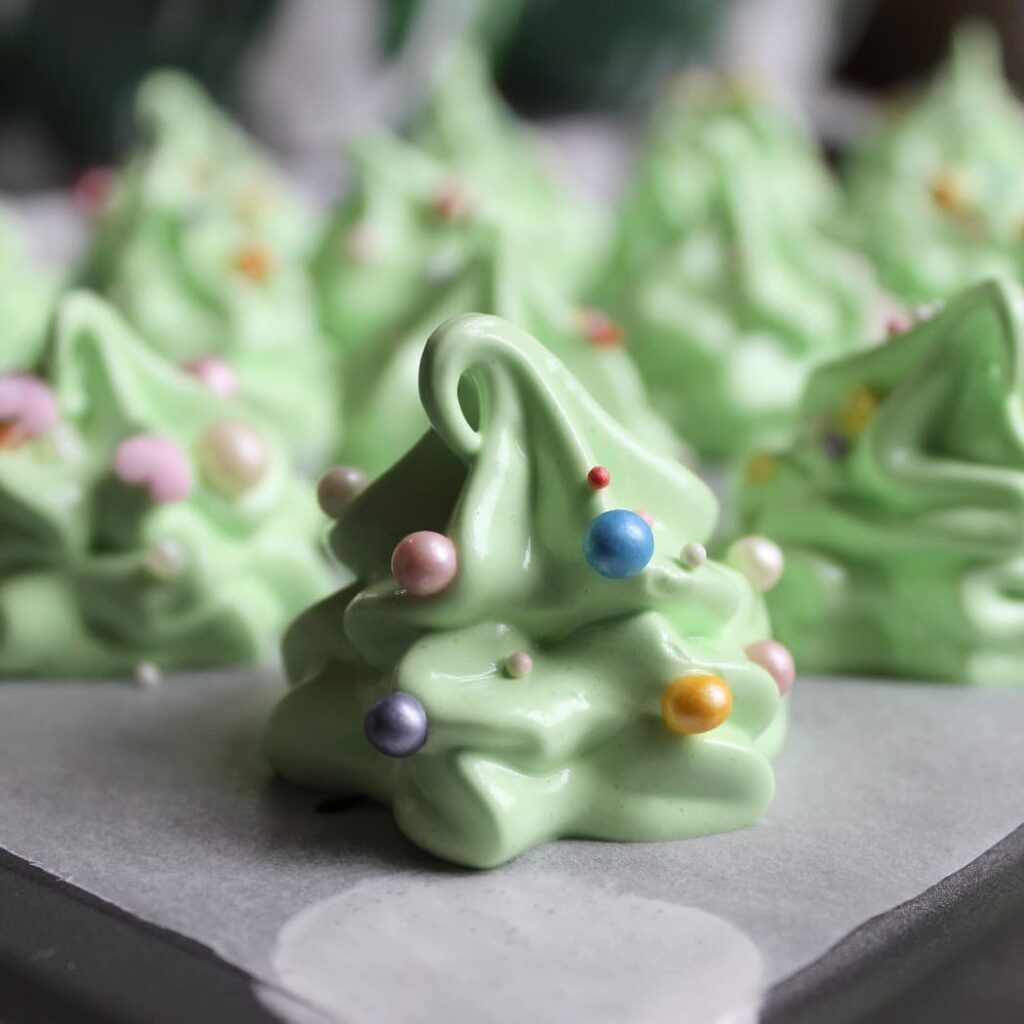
147, 675
693, 555
518, 665
165, 558
759, 559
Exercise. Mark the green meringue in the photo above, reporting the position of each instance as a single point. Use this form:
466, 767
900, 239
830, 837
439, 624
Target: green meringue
722, 273
936, 189
900, 508
95, 574
573, 744
490, 274
412, 204
203, 247
27, 295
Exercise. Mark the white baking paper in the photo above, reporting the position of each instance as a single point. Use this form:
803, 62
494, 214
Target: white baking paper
158, 801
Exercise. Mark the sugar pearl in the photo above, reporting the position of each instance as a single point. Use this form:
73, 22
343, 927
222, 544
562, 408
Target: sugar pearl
693, 555
424, 563
27, 407
234, 457
599, 478
618, 544
775, 660
337, 488
215, 374
759, 559
156, 463
518, 665
397, 726
696, 703
148, 675
165, 558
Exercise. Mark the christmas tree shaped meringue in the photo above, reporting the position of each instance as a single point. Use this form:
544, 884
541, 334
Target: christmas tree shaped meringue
936, 190
722, 272
535, 645
899, 507
404, 223
203, 247
143, 519
27, 295
493, 274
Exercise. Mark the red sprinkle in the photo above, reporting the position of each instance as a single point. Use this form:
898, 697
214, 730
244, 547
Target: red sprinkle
451, 203
599, 478
91, 189
600, 328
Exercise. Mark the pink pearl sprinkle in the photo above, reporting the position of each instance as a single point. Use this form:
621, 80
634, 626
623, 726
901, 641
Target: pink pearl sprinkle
27, 405
424, 563
775, 660
214, 374
645, 516
898, 325
518, 664
155, 463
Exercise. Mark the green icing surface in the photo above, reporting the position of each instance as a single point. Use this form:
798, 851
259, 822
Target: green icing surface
722, 273
76, 596
27, 296
388, 242
937, 187
905, 557
578, 746
383, 413
193, 196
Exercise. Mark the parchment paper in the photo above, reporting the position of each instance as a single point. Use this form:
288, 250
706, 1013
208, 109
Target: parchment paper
158, 801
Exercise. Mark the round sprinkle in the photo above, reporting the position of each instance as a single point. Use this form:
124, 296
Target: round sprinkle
897, 325
835, 445
693, 555
451, 202
338, 488
27, 408
148, 675
396, 725
645, 516
424, 563
91, 190
254, 262
234, 457
695, 703
600, 328
165, 558
599, 478
155, 463
761, 468
776, 660
860, 405
518, 665
618, 544
215, 374
759, 559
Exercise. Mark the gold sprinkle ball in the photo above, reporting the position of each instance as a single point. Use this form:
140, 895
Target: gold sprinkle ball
695, 703
860, 405
761, 468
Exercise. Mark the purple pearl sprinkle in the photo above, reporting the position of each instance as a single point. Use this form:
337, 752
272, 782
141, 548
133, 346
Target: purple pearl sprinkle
836, 446
396, 725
